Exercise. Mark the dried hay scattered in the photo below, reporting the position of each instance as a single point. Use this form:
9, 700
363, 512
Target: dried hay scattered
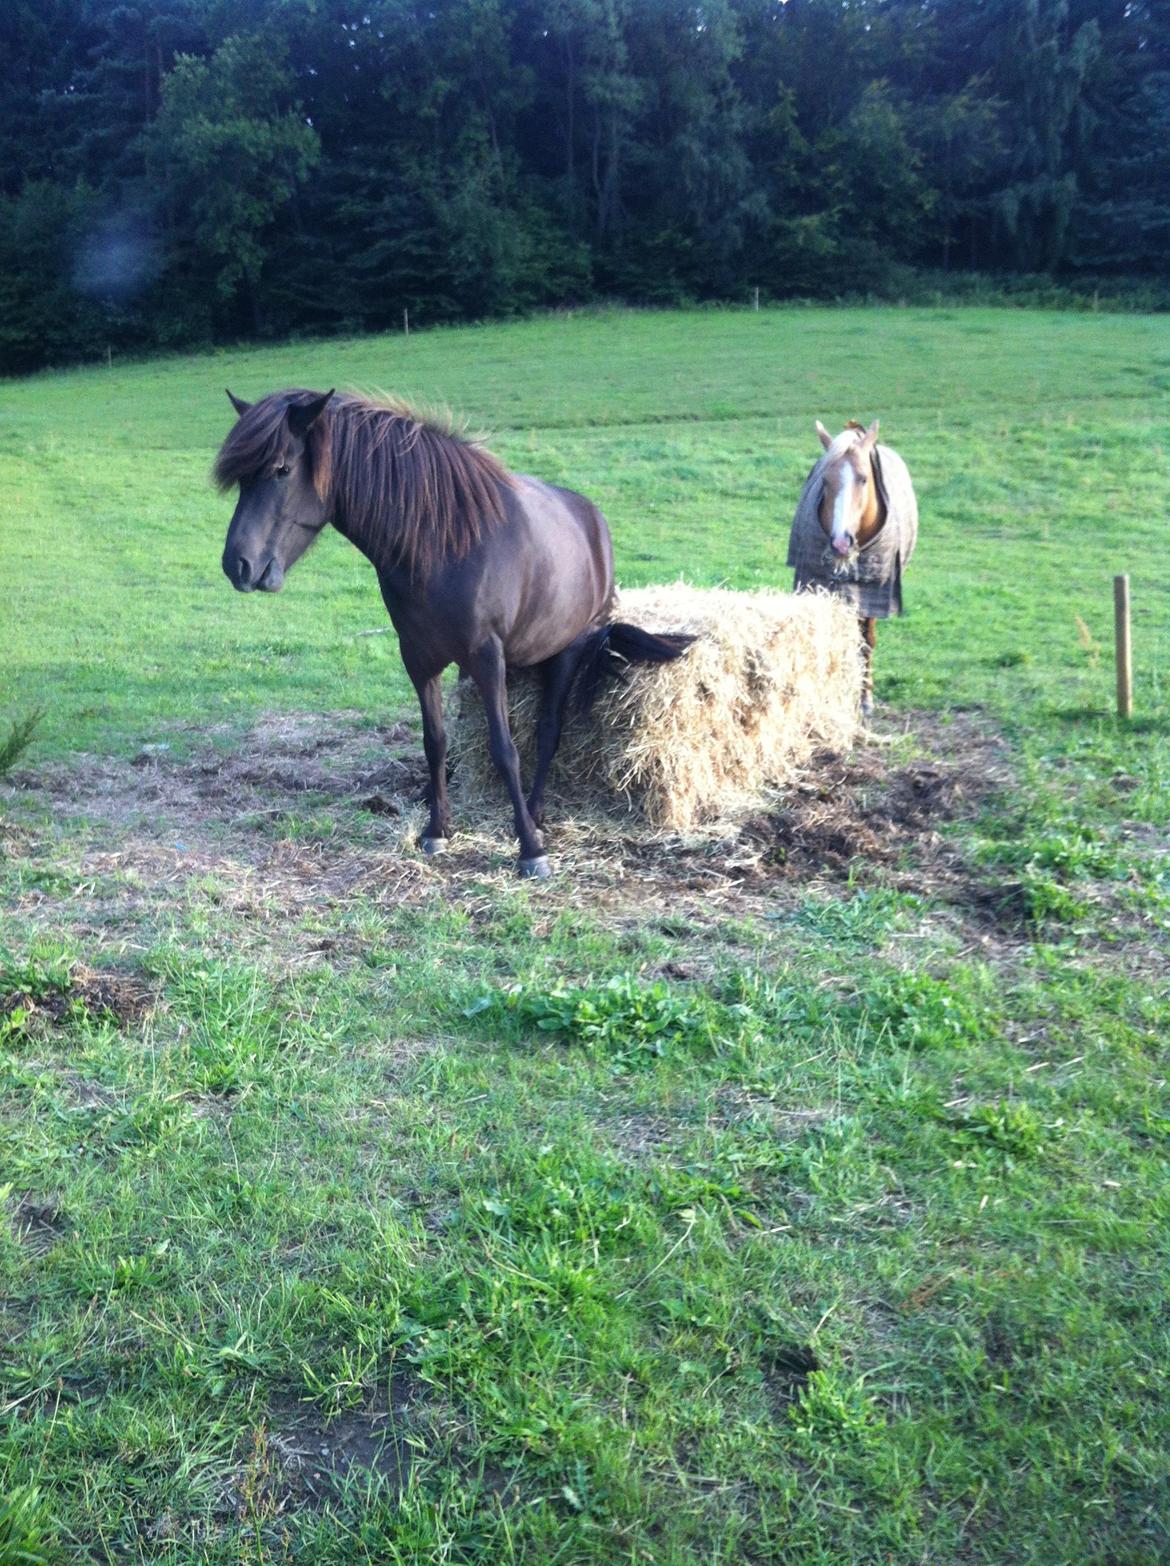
771, 678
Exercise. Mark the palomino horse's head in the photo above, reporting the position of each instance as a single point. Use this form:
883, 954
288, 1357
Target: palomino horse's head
278, 455
850, 506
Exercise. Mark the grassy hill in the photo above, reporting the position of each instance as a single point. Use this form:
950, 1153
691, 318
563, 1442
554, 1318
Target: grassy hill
1026, 433
799, 1195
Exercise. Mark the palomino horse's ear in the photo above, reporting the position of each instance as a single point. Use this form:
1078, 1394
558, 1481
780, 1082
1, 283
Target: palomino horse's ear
302, 416
871, 434
825, 438
238, 403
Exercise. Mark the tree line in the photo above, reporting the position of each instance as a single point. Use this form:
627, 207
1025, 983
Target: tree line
178, 172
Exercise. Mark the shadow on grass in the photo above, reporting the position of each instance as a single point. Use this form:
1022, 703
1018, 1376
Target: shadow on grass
1140, 724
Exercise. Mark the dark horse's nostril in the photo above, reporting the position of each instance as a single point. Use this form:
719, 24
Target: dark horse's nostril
238, 570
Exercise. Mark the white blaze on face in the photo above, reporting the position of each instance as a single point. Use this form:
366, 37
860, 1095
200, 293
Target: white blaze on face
843, 535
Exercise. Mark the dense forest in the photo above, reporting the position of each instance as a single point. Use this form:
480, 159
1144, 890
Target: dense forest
178, 172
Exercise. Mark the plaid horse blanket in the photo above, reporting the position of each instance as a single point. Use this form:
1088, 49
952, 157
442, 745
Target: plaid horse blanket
871, 579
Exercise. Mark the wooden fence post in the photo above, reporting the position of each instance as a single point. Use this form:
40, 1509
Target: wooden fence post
1121, 641
406, 323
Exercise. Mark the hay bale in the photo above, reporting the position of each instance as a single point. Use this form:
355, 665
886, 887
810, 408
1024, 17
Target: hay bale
771, 677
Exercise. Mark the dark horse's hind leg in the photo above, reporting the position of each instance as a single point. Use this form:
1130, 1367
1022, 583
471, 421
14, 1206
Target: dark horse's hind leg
868, 643
430, 700
557, 674
486, 666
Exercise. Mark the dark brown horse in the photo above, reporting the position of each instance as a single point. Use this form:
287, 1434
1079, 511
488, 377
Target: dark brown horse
478, 567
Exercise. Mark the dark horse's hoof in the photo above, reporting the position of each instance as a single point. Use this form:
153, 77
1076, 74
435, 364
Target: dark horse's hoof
433, 845
535, 869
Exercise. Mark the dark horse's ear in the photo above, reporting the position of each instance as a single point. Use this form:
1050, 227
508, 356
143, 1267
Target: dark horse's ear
238, 403
302, 416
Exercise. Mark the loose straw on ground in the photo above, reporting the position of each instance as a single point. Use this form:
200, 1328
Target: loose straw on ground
771, 678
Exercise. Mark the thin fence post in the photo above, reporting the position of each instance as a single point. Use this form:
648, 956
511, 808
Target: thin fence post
755, 298
1124, 656
406, 323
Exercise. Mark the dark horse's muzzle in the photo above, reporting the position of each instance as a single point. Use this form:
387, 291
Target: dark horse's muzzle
265, 577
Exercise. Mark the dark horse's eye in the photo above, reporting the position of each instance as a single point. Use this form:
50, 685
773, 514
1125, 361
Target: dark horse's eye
283, 470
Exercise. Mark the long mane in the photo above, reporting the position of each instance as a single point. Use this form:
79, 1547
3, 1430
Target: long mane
406, 487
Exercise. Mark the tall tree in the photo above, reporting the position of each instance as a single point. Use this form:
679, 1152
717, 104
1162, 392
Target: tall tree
229, 149
44, 46
1122, 218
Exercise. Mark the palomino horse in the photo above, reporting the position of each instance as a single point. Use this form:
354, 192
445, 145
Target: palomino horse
855, 529
478, 566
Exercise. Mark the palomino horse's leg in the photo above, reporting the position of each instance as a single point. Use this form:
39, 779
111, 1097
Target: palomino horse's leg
430, 700
487, 670
557, 675
869, 642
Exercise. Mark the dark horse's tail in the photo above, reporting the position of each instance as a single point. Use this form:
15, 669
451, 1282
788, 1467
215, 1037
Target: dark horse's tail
611, 649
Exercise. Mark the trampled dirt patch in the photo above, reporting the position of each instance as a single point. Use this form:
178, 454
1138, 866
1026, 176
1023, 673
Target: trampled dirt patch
862, 806
312, 812
280, 762
872, 815
120, 996
292, 1458
295, 1457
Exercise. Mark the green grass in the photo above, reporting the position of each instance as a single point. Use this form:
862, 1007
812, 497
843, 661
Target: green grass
426, 1216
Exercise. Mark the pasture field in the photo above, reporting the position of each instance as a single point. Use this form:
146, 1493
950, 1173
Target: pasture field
799, 1194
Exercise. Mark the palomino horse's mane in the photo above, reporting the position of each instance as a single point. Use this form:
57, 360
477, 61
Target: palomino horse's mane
408, 487
850, 436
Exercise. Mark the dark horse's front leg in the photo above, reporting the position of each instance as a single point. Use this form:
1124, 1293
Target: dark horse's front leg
868, 643
486, 666
430, 699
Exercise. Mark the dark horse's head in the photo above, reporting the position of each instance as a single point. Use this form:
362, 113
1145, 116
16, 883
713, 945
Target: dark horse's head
278, 454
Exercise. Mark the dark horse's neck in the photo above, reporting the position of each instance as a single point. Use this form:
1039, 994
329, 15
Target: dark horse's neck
412, 497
